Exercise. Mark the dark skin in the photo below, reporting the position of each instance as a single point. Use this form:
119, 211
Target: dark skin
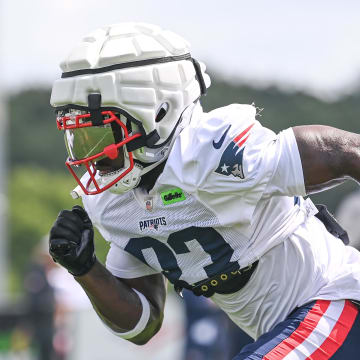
329, 156
119, 306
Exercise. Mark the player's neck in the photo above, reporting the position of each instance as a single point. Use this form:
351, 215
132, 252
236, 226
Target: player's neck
148, 180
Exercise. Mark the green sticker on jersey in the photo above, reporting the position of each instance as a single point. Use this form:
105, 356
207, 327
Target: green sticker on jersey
172, 196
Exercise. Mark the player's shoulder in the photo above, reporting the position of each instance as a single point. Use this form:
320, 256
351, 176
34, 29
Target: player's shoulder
212, 140
210, 124
232, 113
223, 126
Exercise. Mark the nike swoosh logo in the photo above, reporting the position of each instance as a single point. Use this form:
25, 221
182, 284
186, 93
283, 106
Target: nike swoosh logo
217, 145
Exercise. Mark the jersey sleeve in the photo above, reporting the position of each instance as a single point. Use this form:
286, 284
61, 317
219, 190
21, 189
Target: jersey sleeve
288, 177
242, 162
123, 265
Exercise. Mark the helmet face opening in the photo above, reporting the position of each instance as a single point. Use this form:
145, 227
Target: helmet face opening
88, 141
101, 149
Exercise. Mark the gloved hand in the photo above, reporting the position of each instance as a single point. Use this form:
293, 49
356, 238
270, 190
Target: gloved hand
71, 241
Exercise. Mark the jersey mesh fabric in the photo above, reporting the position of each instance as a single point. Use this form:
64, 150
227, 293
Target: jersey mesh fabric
178, 216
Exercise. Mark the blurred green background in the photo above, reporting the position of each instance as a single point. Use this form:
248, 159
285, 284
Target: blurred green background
39, 183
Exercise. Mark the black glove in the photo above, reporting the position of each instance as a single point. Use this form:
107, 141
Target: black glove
71, 241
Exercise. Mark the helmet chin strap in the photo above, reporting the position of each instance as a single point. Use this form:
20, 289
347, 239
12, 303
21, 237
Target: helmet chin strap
77, 192
185, 119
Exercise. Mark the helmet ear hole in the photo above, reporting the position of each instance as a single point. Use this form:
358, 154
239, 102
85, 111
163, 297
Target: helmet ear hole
164, 108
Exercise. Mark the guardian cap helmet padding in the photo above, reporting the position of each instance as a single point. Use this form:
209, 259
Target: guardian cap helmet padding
123, 92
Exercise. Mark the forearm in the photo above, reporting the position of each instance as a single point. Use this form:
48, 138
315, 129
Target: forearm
329, 156
132, 308
117, 303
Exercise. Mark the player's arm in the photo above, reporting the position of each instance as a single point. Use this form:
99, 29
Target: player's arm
328, 156
132, 308
119, 306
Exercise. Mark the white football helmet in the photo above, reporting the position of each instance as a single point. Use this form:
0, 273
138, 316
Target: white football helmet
122, 96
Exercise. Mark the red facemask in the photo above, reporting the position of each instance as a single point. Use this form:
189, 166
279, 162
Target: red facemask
88, 144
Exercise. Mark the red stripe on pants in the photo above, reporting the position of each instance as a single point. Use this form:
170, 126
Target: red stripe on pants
338, 333
304, 329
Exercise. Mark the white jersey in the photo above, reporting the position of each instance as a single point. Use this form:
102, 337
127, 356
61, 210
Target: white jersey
225, 199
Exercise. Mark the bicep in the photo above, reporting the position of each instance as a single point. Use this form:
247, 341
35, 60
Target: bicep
328, 156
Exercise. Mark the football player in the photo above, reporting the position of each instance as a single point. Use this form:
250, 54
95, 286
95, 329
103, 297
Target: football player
212, 202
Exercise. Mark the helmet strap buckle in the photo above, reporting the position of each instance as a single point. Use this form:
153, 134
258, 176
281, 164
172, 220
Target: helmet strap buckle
94, 104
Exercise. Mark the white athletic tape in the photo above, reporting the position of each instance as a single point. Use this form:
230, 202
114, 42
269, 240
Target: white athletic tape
140, 326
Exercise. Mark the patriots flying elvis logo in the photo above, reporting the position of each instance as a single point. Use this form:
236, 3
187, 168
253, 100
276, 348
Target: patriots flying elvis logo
231, 162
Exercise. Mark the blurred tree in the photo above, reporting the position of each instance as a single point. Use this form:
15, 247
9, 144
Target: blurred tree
284, 109
34, 138
36, 196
